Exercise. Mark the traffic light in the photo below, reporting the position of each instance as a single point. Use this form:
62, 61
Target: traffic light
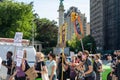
73, 16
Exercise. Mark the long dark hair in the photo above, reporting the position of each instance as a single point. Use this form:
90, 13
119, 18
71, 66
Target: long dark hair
53, 56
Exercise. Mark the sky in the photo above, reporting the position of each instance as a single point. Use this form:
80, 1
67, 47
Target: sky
48, 8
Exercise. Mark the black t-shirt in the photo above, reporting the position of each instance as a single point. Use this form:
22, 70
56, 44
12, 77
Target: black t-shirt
88, 63
118, 70
96, 66
9, 63
38, 67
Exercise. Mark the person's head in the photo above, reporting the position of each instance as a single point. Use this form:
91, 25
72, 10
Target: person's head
118, 58
73, 58
79, 53
96, 56
40, 56
9, 54
85, 55
109, 57
118, 52
52, 56
62, 56
79, 56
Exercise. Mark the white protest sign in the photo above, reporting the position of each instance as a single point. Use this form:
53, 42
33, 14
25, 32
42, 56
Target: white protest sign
19, 52
0, 62
18, 62
18, 38
19, 56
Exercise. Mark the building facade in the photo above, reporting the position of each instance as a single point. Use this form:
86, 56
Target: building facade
112, 24
87, 29
96, 22
105, 23
70, 27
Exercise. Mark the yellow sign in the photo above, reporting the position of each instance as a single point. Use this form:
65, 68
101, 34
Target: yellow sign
63, 33
74, 16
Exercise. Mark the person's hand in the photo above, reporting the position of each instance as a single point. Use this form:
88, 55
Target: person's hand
3, 63
11, 78
23, 60
50, 78
111, 74
13, 64
83, 74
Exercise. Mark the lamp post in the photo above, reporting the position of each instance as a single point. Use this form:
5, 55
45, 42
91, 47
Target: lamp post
32, 34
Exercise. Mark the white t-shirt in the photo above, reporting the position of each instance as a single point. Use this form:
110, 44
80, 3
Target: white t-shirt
0, 62
51, 64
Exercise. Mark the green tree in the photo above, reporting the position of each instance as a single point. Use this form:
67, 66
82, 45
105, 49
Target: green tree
15, 17
46, 32
88, 43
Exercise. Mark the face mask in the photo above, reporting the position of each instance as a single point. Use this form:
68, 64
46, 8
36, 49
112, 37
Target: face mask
79, 57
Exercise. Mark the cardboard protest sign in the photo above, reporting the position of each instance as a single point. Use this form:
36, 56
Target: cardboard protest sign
31, 73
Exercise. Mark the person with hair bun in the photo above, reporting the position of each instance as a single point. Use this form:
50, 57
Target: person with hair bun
52, 67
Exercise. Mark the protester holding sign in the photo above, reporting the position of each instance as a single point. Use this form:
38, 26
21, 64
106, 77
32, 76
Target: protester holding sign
21, 70
19, 74
40, 67
8, 64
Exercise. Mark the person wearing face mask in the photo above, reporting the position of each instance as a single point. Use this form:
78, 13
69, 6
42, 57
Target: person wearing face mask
97, 67
88, 67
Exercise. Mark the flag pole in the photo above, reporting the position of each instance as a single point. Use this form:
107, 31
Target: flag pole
62, 63
63, 44
82, 44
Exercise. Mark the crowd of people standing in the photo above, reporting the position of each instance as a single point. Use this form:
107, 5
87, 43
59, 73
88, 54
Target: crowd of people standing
81, 67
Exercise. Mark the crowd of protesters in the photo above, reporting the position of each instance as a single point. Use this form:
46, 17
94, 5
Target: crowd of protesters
81, 67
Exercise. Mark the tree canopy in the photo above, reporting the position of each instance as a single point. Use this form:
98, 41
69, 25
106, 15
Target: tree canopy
15, 17
88, 43
46, 32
